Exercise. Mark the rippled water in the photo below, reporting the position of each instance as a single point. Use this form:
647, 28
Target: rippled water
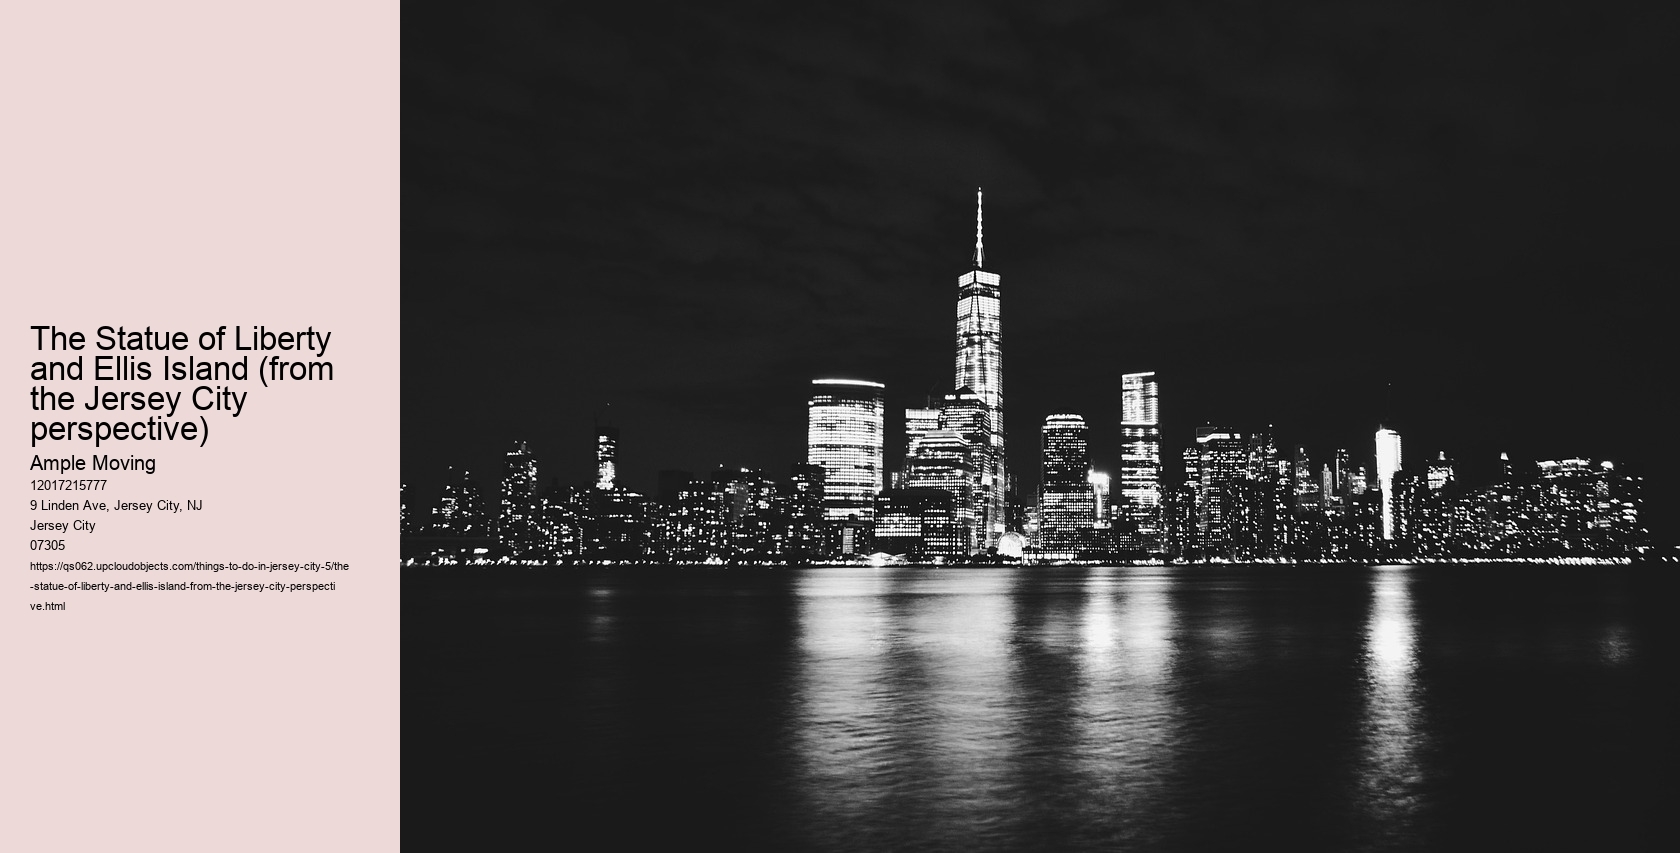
1174, 708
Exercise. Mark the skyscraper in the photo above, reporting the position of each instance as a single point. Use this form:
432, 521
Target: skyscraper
845, 437
1440, 472
1140, 460
980, 368
606, 457
918, 421
943, 459
516, 523
1388, 464
1235, 468
1066, 504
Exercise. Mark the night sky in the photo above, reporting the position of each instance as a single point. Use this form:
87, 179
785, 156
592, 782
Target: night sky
1457, 222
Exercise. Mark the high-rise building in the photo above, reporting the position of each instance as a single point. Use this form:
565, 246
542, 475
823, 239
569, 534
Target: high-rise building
1066, 506
1236, 469
979, 366
1307, 490
1100, 482
917, 523
1440, 472
516, 515
944, 459
1140, 461
845, 437
918, 421
606, 457
1388, 464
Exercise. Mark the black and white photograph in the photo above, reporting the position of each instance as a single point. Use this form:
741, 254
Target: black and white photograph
1038, 426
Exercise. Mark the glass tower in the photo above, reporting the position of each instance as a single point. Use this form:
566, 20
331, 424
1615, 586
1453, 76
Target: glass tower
606, 457
980, 369
1388, 464
943, 459
845, 438
1140, 459
1066, 504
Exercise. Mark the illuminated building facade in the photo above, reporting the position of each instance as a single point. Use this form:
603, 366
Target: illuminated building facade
1388, 464
918, 421
1440, 473
606, 457
1066, 506
918, 524
1236, 499
944, 459
845, 438
1139, 511
979, 368
516, 515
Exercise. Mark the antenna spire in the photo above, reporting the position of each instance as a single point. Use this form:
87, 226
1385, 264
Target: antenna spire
979, 229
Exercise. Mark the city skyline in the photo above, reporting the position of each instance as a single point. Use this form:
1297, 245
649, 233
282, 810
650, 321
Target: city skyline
1303, 223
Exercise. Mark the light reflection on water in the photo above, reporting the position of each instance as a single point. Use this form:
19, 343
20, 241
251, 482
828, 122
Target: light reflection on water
1056, 708
1391, 775
951, 695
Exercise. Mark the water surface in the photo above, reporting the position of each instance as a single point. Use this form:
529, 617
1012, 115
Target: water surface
1065, 708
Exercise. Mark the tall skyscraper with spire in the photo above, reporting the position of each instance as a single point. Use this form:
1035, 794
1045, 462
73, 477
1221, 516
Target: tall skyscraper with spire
980, 369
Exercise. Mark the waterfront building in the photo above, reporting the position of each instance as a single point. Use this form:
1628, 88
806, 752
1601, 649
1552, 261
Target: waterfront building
1139, 509
844, 437
943, 459
460, 509
1066, 507
1388, 464
802, 509
516, 512
979, 368
917, 524
1226, 510
1100, 481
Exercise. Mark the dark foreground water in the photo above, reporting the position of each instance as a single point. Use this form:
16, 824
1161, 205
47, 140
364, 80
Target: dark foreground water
1171, 708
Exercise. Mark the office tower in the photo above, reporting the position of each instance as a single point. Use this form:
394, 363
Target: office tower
516, 523
918, 524
979, 365
1099, 481
1065, 505
606, 457
1505, 467
963, 412
943, 459
1440, 472
1236, 469
802, 499
460, 509
1140, 461
844, 436
1388, 464
918, 421
1308, 491
1341, 478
